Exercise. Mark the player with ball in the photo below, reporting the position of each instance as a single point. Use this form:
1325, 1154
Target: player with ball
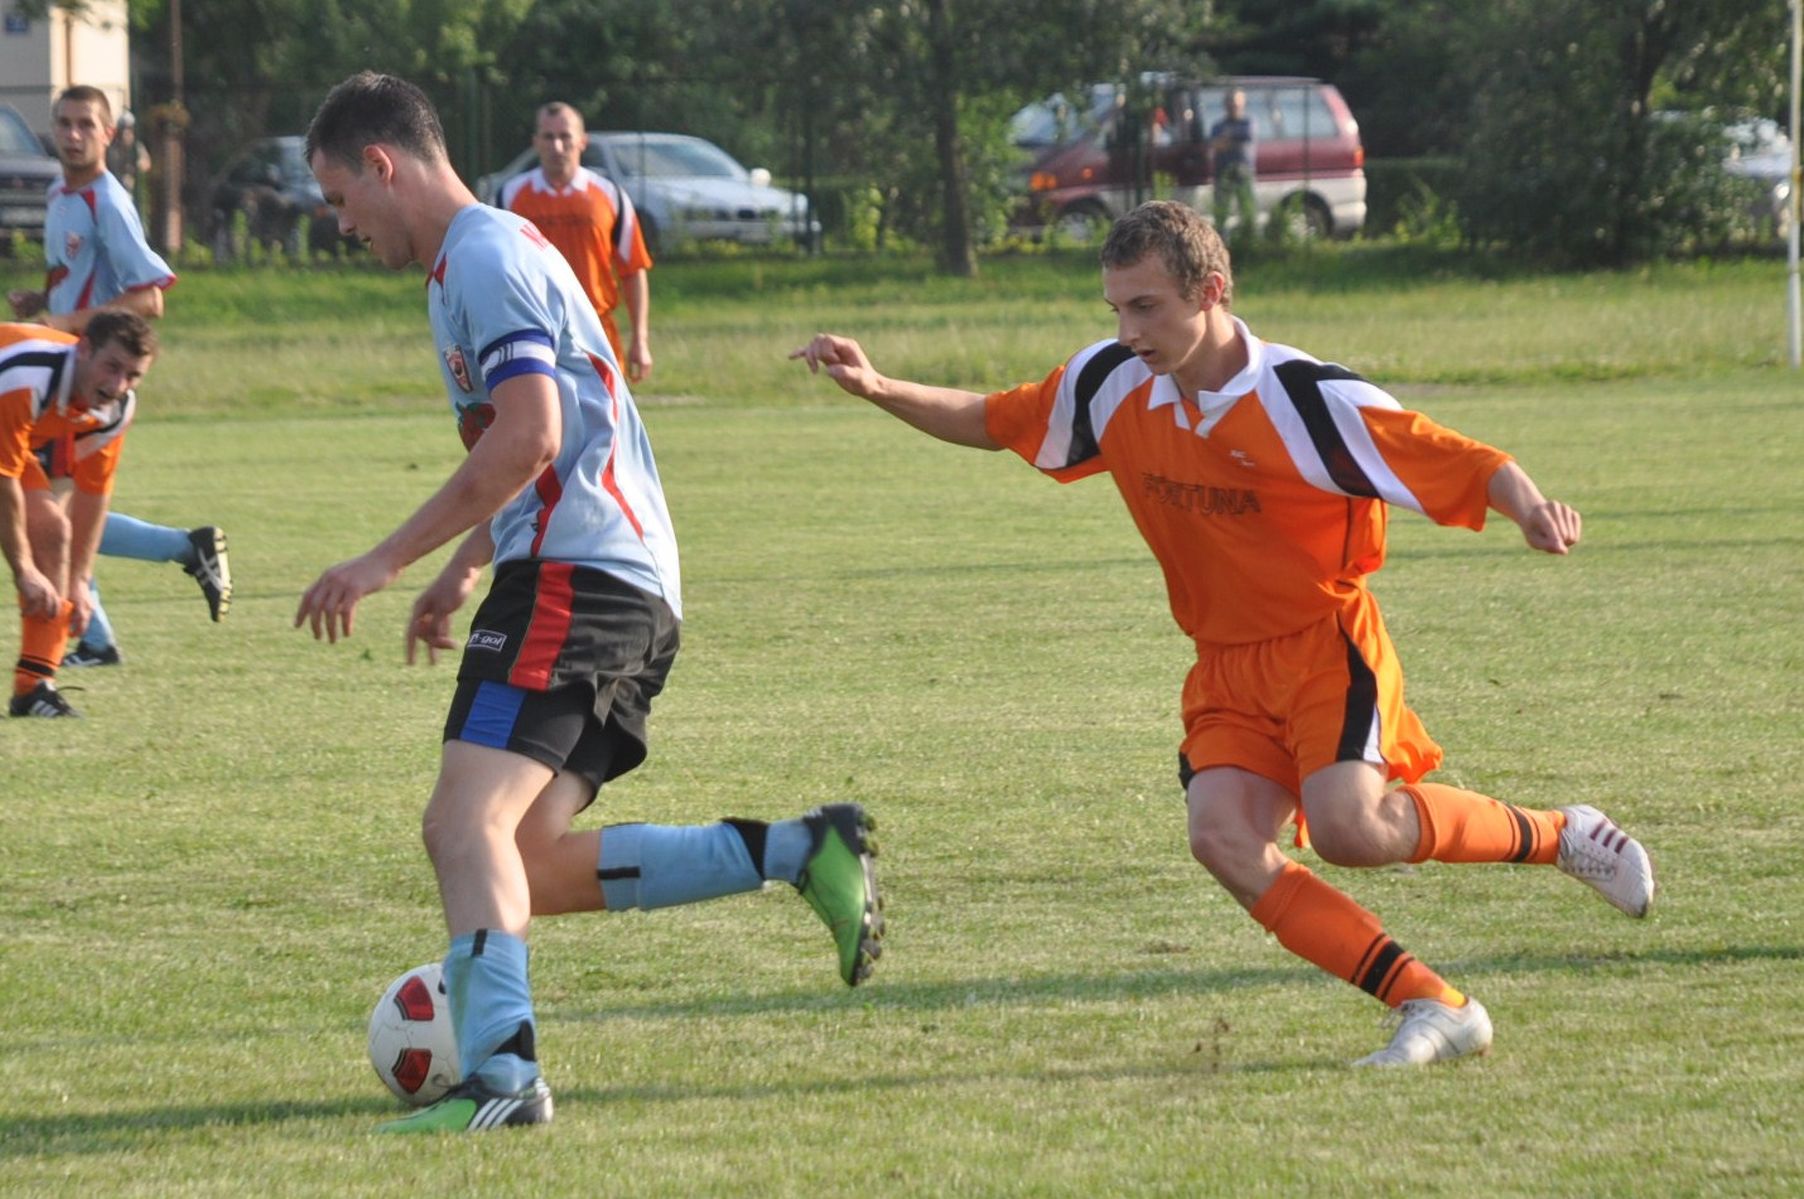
580, 626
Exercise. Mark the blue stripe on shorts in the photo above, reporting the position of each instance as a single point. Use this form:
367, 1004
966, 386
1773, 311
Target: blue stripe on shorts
492, 714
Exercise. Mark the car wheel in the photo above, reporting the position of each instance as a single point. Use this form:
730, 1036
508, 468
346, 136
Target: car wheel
1305, 218
1081, 223
648, 229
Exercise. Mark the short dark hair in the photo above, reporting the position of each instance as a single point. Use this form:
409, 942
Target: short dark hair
83, 93
131, 331
367, 109
1187, 244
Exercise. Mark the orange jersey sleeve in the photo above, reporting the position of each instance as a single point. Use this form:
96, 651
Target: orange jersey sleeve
15, 433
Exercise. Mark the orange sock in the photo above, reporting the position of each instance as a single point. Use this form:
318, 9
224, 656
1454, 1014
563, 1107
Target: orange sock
41, 645
1324, 926
1463, 826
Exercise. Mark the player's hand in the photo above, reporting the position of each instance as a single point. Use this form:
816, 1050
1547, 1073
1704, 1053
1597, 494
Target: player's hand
25, 303
845, 363
38, 596
1551, 527
331, 603
430, 621
81, 607
638, 361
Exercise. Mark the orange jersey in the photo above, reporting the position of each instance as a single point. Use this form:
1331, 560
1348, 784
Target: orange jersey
45, 429
1264, 503
592, 223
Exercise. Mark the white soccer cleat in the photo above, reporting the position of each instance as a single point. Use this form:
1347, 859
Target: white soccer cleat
1430, 1031
1595, 851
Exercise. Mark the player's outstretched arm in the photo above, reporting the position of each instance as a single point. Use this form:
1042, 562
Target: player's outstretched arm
1547, 525
945, 412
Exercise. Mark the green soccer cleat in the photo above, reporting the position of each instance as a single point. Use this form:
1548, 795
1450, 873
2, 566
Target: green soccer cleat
473, 1106
840, 883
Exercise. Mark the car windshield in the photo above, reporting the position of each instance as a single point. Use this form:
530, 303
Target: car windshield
15, 138
675, 159
1056, 120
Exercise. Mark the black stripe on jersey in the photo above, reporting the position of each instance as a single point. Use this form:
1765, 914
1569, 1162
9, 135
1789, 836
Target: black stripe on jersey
1362, 707
622, 247
1089, 381
55, 360
1302, 381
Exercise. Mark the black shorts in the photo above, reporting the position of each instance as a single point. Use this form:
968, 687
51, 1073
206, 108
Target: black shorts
561, 666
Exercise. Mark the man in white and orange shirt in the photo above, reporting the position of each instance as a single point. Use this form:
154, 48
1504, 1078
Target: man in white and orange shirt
65, 403
1260, 478
591, 221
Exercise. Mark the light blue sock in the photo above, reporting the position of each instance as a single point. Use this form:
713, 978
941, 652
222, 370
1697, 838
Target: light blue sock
99, 633
658, 865
485, 976
128, 537
786, 850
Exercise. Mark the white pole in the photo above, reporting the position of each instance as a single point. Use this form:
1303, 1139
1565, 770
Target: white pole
1797, 187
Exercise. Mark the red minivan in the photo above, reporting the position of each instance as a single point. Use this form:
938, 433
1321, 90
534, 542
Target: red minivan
1096, 158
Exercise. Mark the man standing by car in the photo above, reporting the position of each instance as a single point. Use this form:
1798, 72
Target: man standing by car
1231, 151
592, 223
98, 260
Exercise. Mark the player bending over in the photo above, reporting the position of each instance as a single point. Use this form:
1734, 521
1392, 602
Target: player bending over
580, 625
65, 403
1260, 479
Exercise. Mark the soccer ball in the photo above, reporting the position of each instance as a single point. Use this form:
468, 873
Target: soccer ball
412, 1044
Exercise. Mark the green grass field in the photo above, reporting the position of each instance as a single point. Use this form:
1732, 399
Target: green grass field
209, 881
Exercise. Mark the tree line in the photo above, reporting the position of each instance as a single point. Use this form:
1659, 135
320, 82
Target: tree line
1556, 116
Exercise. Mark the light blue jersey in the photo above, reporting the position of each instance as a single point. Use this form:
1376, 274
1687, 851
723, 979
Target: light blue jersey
503, 302
94, 247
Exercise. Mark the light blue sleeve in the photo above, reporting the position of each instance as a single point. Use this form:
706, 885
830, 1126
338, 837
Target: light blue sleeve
133, 262
512, 310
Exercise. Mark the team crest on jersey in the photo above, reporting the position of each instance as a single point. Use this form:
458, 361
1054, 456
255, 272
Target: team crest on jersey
71, 245
460, 369
472, 420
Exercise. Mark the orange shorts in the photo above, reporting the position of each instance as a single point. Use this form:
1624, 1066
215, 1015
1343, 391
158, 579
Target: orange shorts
1285, 708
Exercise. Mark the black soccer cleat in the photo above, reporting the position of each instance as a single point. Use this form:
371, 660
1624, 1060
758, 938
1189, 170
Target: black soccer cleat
92, 655
211, 569
42, 700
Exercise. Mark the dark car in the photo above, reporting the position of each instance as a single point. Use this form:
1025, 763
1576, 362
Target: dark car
26, 173
281, 205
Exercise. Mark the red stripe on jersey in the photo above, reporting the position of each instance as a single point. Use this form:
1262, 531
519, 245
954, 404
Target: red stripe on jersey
610, 378
550, 490
546, 631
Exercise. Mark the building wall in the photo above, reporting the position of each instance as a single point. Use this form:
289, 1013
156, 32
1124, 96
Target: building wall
39, 57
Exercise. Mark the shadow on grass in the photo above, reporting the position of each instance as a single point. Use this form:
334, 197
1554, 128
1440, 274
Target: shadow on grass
67, 1133
73, 1133
1145, 984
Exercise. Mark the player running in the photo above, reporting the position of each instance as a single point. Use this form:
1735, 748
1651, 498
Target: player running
580, 625
65, 403
1260, 479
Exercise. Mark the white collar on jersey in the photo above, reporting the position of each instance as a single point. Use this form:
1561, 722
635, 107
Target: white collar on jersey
1212, 405
578, 182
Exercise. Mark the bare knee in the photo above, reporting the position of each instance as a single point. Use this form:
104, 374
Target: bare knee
1352, 835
